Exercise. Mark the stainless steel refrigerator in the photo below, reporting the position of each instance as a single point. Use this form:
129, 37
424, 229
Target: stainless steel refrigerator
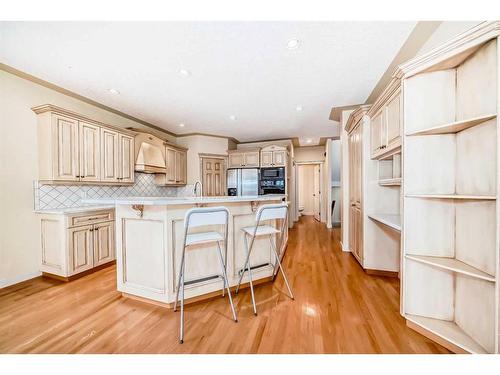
243, 182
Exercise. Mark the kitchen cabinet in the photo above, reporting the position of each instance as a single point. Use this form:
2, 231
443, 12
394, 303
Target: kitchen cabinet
244, 159
385, 131
273, 156
74, 149
73, 243
176, 167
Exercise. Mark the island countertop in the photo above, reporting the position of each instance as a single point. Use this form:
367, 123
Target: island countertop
167, 201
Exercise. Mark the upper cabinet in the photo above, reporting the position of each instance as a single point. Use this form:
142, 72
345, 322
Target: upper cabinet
244, 158
176, 167
385, 114
73, 148
273, 156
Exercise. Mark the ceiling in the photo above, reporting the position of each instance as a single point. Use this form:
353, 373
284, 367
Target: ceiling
241, 81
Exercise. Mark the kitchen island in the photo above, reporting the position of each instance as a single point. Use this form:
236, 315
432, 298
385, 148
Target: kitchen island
149, 240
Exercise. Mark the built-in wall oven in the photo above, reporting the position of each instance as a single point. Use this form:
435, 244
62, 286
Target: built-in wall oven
272, 181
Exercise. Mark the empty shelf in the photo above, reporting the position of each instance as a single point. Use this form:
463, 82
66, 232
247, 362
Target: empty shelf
391, 220
390, 182
449, 331
452, 196
454, 127
452, 264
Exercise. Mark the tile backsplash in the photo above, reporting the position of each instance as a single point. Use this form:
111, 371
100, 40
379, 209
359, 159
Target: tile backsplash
63, 196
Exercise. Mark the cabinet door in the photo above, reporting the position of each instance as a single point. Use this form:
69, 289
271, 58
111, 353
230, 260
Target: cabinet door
126, 158
180, 167
81, 255
109, 156
279, 158
251, 159
376, 133
266, 158
65, 158
236, 160
89, 150
170, 156
104, 243
393, 122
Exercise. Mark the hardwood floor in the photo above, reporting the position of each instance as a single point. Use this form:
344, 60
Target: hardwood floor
337, 309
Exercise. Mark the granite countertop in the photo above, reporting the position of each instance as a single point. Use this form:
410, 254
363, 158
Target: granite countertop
163, 201
75, 210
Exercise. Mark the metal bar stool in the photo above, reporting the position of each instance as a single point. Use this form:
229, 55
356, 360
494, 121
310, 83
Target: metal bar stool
198, 217
265, 213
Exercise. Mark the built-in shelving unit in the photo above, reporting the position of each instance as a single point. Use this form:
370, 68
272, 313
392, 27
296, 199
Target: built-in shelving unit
390, 182
456, 126
450, 248
391, 220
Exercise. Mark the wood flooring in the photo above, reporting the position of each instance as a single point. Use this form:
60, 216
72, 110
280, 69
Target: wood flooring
337, 309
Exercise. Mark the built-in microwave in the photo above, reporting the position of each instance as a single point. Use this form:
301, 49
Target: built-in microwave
272, 181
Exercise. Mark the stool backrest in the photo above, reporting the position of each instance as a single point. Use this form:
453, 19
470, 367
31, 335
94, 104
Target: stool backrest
197, 217
271, 211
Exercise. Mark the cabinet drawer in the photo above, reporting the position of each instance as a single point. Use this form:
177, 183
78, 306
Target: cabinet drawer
90, 218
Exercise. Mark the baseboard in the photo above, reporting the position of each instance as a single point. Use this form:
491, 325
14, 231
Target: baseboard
344, 249
19, 279
381, 273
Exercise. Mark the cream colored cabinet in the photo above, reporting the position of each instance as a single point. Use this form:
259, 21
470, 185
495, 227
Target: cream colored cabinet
385, 129
244, 159
110, 166
75, 149
63, 134
104, 242
176, 168
72, 243
273, 156
126, 160
89, 151
81, 254
393, 115
251, 159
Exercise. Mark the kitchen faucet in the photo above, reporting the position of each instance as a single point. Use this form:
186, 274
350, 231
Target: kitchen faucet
195, 190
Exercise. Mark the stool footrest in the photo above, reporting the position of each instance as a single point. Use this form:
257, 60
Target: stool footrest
203, 279
254, 267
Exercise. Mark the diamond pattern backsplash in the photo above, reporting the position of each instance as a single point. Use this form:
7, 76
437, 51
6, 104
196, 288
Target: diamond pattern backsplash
63, 196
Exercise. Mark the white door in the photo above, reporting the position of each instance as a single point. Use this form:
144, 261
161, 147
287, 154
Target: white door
317, 193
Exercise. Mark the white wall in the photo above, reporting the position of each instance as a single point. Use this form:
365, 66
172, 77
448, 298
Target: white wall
19, 232
334, 156
197, 144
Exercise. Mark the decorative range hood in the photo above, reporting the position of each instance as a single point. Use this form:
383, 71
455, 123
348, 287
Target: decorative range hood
150, 158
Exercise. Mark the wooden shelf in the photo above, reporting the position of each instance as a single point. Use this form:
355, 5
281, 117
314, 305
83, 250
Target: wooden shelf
452, 264
454, 127
453, 196
391, 220
449, 331
390, 182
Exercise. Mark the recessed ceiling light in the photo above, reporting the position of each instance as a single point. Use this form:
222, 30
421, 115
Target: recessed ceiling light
181, 125
232, 117
113, 91
309, 140
184, 72
299, 108
292, 44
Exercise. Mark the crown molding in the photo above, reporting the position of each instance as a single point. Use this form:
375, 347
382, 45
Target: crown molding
356, 115
451, 53
66, 112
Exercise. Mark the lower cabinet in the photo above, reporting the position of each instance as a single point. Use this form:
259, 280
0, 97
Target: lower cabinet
75, 243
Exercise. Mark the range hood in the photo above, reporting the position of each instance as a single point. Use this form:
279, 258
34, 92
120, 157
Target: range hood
150, 157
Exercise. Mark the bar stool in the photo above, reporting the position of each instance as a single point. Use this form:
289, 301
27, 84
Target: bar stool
264, 213
198, 217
